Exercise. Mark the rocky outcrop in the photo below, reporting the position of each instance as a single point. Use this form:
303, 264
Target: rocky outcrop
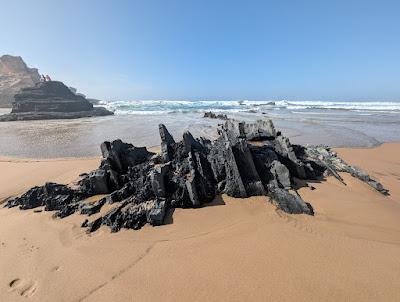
51, 100
333, 164
14, 75
213, 115
245, 160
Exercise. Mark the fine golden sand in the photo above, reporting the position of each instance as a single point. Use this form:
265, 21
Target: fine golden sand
231, 250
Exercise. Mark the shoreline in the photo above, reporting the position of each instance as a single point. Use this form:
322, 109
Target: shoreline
82, 137
367, 147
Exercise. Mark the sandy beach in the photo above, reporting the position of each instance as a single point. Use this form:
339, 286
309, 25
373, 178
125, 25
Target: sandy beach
232, 249
200, 151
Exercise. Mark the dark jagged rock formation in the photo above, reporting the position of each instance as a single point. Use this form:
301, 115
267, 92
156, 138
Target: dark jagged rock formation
245, 160
14, 75
53, 197
213, 115
51, 100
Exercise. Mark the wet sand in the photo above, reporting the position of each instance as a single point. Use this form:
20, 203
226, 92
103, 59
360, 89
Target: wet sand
82, 137
231, 250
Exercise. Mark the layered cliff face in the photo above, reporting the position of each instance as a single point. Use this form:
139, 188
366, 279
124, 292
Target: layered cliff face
51, 100
14, 75
50, 96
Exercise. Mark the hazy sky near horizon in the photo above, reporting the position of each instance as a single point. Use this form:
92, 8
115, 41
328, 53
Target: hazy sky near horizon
296, 50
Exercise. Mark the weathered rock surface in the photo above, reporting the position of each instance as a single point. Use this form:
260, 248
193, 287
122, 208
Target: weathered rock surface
14, 75
51, 100
245, 160
327, 158
213, 115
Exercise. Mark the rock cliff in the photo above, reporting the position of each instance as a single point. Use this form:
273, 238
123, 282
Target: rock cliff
14, 75
51, 100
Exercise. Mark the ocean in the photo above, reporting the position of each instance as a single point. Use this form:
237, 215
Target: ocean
241, 106
338, 124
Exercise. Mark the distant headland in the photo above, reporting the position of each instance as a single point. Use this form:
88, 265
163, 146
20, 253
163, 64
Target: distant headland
37, 97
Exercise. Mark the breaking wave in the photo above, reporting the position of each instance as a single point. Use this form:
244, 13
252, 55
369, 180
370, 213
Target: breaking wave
170, 106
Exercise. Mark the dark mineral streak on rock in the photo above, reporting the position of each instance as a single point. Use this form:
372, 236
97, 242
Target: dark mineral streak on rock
245, 160
51, 100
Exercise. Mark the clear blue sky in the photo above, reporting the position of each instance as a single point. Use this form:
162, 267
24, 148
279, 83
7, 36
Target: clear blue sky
297, 50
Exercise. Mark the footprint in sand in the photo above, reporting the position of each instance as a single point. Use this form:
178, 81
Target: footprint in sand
15, 283
56, 268
25, 288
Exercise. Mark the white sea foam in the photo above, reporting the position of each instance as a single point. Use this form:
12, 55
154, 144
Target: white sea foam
183, 106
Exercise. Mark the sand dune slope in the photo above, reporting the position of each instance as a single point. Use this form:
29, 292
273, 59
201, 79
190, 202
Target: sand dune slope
232, 250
